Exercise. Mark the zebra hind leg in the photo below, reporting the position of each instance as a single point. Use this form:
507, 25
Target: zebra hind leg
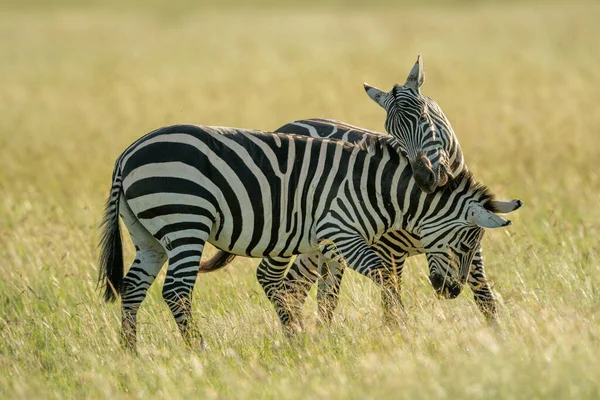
149, 258
184, 261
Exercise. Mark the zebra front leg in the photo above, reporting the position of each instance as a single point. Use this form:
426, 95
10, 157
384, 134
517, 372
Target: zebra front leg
301, 276
366, 261
482, 292
331, 273
184, 261
270, 274
391, 297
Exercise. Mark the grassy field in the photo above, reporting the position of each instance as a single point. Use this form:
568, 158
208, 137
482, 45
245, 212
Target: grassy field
519, 84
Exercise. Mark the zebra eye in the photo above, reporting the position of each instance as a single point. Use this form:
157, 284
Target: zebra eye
423, 117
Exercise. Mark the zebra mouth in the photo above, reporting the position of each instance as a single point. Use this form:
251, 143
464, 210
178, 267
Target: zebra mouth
444, 175
428, 180
424, 175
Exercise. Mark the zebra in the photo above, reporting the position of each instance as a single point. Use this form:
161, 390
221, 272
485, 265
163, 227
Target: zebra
425, 135
288, 290
263, 194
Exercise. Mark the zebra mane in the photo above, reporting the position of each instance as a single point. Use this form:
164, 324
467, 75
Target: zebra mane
378, 145
479, 191
381, 145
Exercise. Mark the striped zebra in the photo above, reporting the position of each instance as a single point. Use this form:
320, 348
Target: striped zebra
425, 137
287, 291
260, 194
424, 134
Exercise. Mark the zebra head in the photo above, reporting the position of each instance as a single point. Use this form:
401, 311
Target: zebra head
451, 243
422, 130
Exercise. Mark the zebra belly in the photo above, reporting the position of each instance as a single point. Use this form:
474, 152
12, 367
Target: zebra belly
240, 247
274, 238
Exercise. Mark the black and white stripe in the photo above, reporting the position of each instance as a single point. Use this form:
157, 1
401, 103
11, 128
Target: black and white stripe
254, 194
395, 246
452, 248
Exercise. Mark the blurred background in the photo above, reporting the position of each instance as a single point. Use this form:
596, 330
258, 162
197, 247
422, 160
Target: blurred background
79, 81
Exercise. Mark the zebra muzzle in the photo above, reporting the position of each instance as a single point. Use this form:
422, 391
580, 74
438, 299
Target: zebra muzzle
444, 286
423, 173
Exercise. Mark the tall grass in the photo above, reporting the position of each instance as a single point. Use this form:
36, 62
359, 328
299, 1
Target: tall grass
519, 84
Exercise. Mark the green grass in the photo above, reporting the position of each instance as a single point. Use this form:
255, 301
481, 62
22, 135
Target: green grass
519, 84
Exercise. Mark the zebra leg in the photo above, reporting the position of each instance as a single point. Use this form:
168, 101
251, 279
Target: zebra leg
363, 259
391, 299
331, 274
184, 261
270, 275
301, 276
149, 259
482, 292
150, 256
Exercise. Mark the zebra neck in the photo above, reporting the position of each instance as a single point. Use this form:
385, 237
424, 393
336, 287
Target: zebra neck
393, 185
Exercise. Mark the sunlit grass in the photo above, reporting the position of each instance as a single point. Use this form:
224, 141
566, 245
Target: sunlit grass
519, 84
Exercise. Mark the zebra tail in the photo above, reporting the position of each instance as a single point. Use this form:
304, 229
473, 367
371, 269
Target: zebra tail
111, 250
220, 260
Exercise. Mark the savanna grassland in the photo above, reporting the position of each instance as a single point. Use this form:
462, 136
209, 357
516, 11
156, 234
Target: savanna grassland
519, 83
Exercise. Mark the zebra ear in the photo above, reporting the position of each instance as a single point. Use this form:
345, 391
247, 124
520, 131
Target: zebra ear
416, 77
505, 207
479, 216
377, 95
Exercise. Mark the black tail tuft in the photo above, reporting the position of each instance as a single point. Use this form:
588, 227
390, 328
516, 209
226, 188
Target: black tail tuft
220, 260
111, 251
